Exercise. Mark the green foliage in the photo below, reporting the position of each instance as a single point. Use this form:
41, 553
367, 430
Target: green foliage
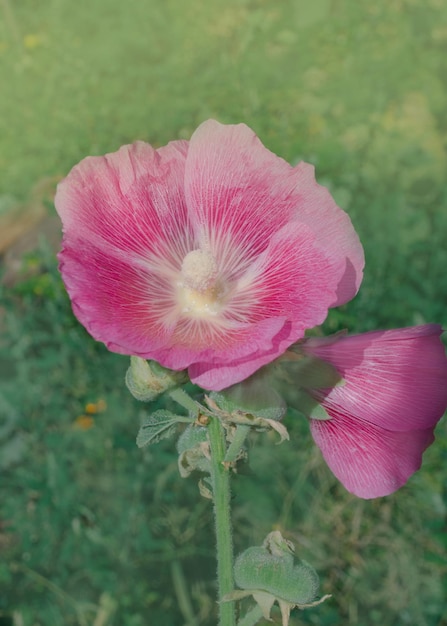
94, 530
159, 425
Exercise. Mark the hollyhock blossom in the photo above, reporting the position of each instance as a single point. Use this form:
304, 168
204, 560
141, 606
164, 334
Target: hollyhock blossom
383, 412
213, 255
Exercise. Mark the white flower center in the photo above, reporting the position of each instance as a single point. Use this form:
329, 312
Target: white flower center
199, 270
198, 290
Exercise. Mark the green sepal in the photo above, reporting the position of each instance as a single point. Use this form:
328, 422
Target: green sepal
158, 426
318, 412
265, 602
298, 376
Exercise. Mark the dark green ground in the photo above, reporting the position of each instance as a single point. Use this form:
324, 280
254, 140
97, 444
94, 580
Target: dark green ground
93, 531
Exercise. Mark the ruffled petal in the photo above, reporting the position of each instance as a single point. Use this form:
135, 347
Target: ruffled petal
126, 232
128, 202
332, 228
243, 193
292, 278
114, 299
369, 461
395, 379
265, 340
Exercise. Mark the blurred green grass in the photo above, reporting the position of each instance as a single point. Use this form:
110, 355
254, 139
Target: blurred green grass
94, 531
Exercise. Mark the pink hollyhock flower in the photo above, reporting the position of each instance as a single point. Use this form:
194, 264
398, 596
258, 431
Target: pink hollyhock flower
383, 412
213, 255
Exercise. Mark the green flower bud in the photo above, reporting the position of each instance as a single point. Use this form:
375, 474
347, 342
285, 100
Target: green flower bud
272, 568
270, 573
147, 379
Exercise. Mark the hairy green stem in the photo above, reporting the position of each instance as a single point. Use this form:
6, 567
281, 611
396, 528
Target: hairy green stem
240, 434
180, 396
222, 500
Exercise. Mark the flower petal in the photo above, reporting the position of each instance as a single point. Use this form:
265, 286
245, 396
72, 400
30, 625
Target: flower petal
291, 280
266, 340
368, 460
332, 227
113, 299
243, 193
395, 379
125, 227
127, 200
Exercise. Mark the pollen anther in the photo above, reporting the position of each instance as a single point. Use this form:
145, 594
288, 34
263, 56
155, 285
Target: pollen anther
199, 270
199, 295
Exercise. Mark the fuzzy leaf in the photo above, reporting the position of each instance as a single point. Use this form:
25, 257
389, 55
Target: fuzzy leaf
191, 437
158, 426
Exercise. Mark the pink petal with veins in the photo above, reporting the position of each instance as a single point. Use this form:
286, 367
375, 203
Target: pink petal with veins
396, 379
369, 461
382, 416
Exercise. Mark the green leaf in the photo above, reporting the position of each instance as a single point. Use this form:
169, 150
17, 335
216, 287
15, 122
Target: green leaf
191, 437
158, 426
193, 449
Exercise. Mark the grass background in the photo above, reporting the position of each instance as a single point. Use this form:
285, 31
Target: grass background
94, 532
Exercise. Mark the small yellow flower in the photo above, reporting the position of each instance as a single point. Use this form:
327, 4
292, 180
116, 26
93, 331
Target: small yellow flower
32, 40
92, 408
83, 422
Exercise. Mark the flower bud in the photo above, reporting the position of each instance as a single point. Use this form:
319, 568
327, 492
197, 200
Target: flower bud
147, 379
272, 568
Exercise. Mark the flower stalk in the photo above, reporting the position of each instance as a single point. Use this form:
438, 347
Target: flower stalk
239, 437
220, 478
